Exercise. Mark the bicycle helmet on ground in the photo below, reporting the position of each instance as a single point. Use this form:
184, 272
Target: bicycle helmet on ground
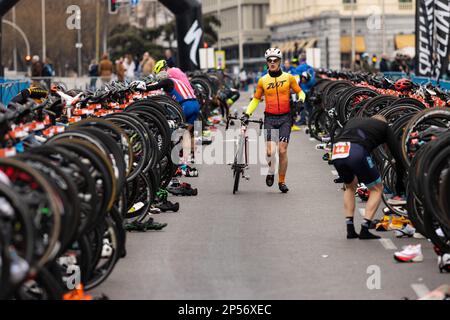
403, 84
273, 53
160, 66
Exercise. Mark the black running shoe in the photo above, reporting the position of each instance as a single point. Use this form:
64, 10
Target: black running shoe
283, 187
351, 233
270, 179
366, 235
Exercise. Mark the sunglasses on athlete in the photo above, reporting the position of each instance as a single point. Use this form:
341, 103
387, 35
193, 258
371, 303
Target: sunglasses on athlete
273, 60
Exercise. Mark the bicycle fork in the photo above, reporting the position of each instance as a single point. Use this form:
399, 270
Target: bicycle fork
241, 158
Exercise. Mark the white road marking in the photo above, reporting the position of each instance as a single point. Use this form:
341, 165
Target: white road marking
420, 289
362, 212
388, 244
235, 140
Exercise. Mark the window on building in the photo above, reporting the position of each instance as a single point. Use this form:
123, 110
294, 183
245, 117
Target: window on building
405, 4
349, 1
258, 17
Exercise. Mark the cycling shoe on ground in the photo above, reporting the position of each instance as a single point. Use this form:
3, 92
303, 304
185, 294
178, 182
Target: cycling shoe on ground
183, 189
188, 171
168, 206
406, 231
145, 226
444, 262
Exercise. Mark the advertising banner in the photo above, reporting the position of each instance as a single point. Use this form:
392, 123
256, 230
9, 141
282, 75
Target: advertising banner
188, 15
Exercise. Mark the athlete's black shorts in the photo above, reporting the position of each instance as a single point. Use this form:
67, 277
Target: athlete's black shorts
360, 164
278, 126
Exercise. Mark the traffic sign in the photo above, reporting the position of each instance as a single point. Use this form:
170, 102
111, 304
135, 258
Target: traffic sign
220, 59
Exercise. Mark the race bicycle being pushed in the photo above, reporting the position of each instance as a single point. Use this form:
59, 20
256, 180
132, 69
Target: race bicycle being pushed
240, 162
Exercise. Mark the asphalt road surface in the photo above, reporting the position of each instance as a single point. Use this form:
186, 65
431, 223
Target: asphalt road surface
261, 244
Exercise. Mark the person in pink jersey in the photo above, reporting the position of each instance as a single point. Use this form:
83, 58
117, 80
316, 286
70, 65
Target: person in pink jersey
174, 73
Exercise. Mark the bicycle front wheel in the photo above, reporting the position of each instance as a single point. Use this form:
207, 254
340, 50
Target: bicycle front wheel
237, 178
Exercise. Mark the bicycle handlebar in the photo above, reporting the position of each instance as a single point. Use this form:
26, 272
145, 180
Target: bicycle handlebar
260, 121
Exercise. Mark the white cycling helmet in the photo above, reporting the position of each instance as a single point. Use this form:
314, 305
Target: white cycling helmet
306, 75
139, 85
273, 53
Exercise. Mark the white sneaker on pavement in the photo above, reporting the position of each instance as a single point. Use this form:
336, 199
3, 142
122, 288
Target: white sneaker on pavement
411, 253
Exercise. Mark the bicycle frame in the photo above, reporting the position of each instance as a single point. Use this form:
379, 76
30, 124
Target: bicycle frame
241, 157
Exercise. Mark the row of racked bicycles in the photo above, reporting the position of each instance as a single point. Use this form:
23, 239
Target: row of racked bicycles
216, 93
420, 118
77, 170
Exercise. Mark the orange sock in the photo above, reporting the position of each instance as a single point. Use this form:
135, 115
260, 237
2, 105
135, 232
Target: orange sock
281, 178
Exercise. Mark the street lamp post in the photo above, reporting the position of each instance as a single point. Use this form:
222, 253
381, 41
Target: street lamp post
241, 46
353, 36
97, 32
79, 45
383, 24
44, 40
15, 41
219, 3
24, 36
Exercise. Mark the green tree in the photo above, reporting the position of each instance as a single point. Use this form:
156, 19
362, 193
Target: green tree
125, 39
211, 24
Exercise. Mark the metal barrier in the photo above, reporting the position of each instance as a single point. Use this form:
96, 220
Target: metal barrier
419, 80
81, 83
10, 88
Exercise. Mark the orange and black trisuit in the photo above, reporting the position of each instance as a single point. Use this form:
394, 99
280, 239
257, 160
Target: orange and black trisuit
276, 87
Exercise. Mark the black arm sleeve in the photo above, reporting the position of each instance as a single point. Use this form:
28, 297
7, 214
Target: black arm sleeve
395, 149
166, 84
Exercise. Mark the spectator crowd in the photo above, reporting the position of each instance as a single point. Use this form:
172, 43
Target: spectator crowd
125, 68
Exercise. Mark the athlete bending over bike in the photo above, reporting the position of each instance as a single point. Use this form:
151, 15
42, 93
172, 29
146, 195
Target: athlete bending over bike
352, 160
276, 86
186, 97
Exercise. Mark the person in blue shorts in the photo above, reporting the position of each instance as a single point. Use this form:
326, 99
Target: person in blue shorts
184, 95
352, 160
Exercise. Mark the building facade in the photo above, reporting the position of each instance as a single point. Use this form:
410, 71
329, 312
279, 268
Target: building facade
148, 14
301, 24
255, 35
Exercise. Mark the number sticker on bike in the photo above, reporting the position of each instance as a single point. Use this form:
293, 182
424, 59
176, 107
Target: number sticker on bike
341, 150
